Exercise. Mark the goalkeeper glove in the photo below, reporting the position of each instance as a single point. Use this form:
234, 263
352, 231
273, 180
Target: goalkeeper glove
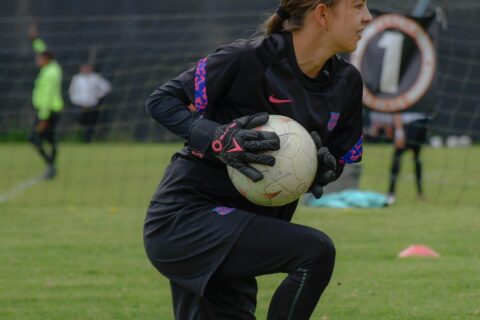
327, 170
236, 144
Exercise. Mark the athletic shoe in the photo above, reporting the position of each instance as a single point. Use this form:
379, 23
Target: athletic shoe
50, 173
390, 199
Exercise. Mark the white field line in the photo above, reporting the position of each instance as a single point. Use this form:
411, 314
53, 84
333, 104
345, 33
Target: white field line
18, 189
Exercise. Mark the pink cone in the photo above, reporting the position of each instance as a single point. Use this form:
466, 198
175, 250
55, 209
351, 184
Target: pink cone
418, 251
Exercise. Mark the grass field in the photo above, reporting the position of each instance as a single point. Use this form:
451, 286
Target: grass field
72, 248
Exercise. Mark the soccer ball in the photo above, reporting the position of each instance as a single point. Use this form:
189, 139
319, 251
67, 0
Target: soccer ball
294, 169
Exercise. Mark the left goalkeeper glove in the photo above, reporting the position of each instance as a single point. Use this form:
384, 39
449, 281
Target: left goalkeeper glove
327, 170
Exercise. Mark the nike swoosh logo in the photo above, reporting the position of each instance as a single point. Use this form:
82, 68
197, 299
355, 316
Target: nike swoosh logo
274, 100
237, 147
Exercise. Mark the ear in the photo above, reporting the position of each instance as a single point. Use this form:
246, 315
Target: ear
320, 14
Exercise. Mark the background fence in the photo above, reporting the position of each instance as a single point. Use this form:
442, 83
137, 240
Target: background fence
138, 45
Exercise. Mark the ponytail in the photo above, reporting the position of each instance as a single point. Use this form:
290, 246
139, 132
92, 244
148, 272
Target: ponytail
290, 15
273, 24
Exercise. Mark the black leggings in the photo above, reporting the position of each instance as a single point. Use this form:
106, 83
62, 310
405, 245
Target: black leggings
49, 135
415, 134
88, 119
266, 246
395, 169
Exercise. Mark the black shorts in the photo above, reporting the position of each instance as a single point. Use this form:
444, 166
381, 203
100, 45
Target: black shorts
49, 133
188, 251
188, 233
416, 133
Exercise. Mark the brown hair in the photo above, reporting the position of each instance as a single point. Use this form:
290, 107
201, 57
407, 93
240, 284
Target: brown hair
297, 11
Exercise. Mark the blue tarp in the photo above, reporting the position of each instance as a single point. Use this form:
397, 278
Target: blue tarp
350, 199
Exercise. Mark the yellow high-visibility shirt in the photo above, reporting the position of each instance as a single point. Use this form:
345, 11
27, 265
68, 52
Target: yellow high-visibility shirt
47, 91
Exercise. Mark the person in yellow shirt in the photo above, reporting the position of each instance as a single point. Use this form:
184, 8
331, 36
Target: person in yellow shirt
48, 103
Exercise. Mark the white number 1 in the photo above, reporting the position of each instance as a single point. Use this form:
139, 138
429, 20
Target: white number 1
392, 42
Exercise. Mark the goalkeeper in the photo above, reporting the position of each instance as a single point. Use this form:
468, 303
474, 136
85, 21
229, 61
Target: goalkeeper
47, 101
199, 232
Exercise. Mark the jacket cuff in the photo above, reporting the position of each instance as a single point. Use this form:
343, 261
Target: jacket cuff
201, 134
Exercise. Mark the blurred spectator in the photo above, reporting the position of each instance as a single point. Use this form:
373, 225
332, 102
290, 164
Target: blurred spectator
410, 134
48, 102
87, 91
381, 126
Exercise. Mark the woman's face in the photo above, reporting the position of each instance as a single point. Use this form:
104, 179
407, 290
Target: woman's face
346, 21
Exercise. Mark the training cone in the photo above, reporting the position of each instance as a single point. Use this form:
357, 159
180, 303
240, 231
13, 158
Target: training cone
418, 251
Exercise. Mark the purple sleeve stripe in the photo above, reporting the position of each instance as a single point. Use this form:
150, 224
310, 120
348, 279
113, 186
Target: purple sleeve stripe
201, 99
332, 122
355, 154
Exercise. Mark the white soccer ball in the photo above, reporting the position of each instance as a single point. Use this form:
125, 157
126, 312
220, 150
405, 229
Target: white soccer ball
294, 169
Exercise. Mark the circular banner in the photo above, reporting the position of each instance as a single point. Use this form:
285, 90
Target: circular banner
397, 59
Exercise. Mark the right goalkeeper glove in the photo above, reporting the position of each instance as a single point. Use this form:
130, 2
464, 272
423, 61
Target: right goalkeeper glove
236, 144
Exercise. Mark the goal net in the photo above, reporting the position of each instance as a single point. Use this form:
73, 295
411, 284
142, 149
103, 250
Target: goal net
137, 53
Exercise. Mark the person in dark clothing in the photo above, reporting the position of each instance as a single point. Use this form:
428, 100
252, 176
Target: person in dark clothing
199, 232
410, 134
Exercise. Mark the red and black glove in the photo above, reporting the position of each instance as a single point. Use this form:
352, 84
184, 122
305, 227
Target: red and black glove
328, 170
236, 144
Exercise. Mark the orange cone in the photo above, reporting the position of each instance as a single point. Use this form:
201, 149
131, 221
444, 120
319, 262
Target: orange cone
418, 251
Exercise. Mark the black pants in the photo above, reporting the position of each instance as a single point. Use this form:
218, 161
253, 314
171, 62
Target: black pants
415, 135
266, 246
48, 134
88, 119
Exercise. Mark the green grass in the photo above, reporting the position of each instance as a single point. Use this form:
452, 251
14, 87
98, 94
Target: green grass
72, 248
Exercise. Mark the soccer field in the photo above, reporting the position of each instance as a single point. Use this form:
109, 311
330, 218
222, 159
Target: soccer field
72, 248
